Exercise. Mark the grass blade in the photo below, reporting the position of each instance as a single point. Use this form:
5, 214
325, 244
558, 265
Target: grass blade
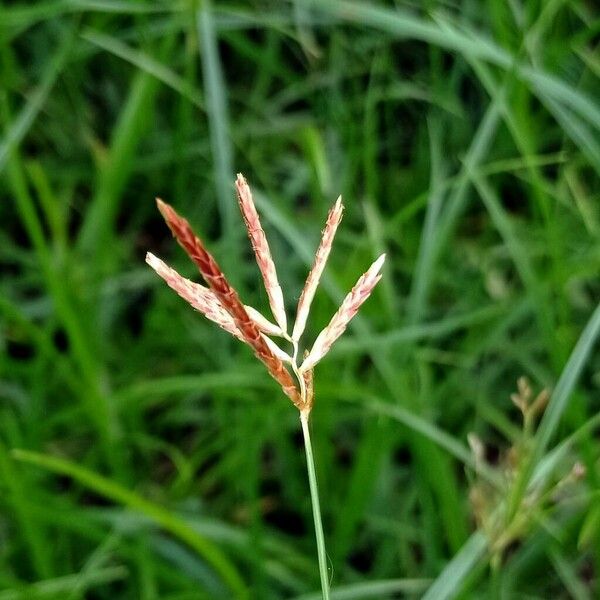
161, 516
23, 122
61, 586
218, 124
449, 582
145, 63
95, 233
434, 434
445, 34
373, 589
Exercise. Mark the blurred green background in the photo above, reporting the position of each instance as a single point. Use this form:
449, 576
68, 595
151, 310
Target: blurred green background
144, 454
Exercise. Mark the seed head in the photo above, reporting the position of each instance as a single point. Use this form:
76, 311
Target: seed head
220, 301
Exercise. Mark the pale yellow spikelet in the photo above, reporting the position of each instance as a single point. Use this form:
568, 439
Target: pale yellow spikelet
198, 296
348, 309
276, 350
312, 281
263, 323
262, 251
204, 300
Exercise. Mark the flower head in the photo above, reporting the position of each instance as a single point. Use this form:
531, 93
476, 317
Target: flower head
220, 303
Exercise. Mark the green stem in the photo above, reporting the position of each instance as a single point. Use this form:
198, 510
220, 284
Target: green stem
314, 496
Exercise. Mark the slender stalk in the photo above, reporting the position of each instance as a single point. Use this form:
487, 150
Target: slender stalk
314, 496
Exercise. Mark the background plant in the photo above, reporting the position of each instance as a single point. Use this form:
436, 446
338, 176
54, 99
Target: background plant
466, 137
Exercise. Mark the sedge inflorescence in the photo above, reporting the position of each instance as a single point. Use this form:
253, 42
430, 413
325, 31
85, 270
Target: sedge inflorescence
220, 303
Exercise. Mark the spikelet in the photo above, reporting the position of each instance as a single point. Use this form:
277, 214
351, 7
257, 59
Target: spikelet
308, 377
276, 350
200, 297
262, 322
312, 281
352, 302
262, 251
205, 301
228, 298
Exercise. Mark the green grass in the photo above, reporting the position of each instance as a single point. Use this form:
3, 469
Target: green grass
145, 455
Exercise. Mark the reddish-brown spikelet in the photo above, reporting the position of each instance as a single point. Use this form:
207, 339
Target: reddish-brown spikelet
260, 245
309, 389
312, 281
228, 298
352, 302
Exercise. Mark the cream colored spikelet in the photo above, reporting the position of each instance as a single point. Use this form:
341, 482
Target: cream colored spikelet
262, 251
312, 281
352, 302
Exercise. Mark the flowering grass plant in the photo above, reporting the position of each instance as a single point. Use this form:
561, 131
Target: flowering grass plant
220, 303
